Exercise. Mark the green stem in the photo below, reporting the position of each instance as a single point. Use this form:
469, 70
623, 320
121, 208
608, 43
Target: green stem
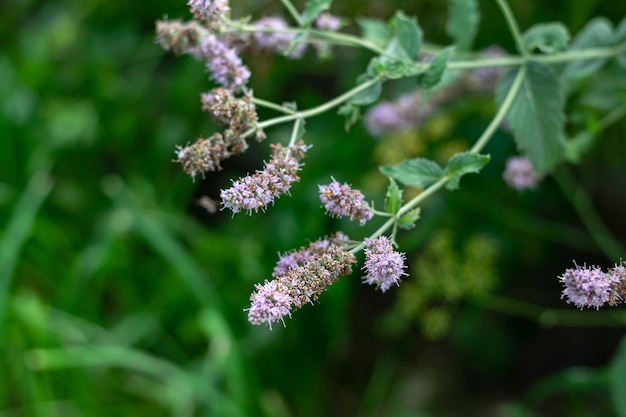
319, 109
512, 23
295, 133
272, 105
581, 202
292, 11
504, 108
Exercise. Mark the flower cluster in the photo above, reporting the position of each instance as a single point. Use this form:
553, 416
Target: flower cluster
223, 63
383, 265
306, 253
299, 284
239, 114
340, 200
256, 191
209, 10
591, 287
520, 173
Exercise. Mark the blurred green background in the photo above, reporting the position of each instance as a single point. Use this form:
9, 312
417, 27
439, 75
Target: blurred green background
121, 296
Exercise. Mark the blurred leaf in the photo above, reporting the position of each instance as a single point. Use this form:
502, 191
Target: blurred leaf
597, 33
463, 20
375, 31
433, 74
368, 96
418, 172
393, 197
313, 9
549, 38
461, 164
617, 382
536, 115
408, 34
408, 220
620, 37
351, 113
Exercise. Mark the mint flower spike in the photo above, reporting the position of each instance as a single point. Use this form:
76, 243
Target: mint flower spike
520, 174
590, 286
342, 201
383, 265
300, 284
223, 63
209, 10
255, 192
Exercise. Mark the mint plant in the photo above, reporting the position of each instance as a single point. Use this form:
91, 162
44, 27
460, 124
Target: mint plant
531, 89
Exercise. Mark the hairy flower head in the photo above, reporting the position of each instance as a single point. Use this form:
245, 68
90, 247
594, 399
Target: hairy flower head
209, 10
223, 63
383, 265
588, 286
301, 283
255, 192
341, 200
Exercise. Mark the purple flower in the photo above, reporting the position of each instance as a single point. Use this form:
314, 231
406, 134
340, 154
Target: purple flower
203, 156
306, 253
238, 113
520, 173
327, 21
300, 284
209, 10
256, 191
589, 286
383, 265
400, 115
486, 78
223, 63
340, 200
277, 41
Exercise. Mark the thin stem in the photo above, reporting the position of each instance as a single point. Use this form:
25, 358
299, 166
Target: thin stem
319, 109
504, 108
295, 133
510, 20
581, 202
273, 106
292, 11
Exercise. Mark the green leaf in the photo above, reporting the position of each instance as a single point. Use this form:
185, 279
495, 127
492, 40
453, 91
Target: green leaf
432, 76
620, 38
375, 31
617, 382
418, 172
408, 34
352, 114
463, 20
390, 68
368, 96
597, 33
393, 198
461, 164
408, 220
549, 38
313, 9
536, 115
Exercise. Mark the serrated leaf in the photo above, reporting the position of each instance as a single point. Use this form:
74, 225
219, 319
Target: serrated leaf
463, 20
408, 220
313, 9
549, 38
375, 31
407, 33
536, 115
461, 164
393, 197
597, 33
433, 74
616, 380
418, 172
367, 96
620, 38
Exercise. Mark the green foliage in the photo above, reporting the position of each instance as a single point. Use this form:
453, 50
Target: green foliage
461, 164
463, 21
417, 172
536, 114
549, 38
393, 198
617, 385
598, 32
433, 74
313, 9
